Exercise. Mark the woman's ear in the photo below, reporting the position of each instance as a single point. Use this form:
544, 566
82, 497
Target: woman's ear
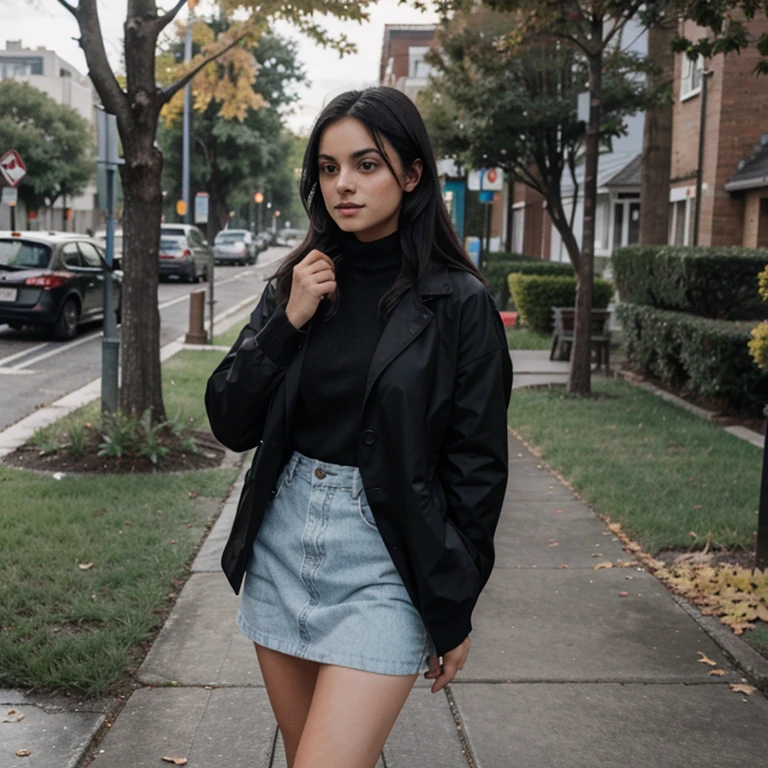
413, 177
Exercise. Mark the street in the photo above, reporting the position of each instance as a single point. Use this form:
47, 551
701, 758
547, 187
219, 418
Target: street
36, 371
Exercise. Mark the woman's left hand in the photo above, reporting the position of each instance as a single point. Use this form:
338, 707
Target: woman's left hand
453, 661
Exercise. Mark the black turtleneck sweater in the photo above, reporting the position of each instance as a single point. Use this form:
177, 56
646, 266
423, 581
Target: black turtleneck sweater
326, 425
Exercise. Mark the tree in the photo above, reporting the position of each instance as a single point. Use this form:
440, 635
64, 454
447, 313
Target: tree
657, 134
517, 107
137, 108
590, 27
234, 158
53, 140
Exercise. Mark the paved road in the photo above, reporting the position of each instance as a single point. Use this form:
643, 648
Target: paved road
35, 371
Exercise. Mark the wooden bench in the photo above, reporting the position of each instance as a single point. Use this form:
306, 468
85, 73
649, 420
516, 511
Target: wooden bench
562, 335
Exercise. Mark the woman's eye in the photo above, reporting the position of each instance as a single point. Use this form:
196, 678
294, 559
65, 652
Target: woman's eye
367, 165
328, 168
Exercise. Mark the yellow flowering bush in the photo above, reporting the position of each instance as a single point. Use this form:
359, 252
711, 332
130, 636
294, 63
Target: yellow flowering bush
758, 344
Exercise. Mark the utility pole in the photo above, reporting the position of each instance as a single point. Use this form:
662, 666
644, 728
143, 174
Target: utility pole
186, 122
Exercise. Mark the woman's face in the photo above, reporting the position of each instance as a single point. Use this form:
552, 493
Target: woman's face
359, 190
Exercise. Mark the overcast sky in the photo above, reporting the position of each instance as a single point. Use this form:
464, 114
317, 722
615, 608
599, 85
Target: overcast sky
45, 23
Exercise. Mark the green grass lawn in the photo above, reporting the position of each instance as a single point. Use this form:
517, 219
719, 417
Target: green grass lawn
525, 338
91, 563
657, 469
227, 339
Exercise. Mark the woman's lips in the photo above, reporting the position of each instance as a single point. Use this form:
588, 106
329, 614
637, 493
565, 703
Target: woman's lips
348, 209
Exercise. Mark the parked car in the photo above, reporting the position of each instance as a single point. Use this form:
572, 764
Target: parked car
176, 258
290, 237
234, 246
194, 241
262, 242
53, 280
100, 236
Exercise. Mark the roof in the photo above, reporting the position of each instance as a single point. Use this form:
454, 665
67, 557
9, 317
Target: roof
631, 175
612, 166
752, 173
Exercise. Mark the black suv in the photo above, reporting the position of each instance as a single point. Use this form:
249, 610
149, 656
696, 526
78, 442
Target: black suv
53, 280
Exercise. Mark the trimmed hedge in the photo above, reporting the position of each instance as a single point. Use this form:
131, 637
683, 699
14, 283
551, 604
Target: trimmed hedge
715, 282
496, 273
493, 256
699, 355
535, 295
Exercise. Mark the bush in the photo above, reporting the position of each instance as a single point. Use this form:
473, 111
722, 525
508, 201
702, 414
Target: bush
715, 282
496, 273
535, 295
703, 356
507, 256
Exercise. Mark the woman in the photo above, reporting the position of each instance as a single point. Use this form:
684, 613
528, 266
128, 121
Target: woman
373, 380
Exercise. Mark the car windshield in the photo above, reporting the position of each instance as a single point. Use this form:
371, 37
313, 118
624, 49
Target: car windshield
21, 254
171, 244
230, 237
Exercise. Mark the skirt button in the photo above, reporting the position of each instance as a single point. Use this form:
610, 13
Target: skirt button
319, 474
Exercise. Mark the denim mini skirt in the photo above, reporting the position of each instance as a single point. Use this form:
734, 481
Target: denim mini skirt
320, 583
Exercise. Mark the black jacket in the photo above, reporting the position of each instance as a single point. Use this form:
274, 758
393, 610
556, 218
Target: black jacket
432, 447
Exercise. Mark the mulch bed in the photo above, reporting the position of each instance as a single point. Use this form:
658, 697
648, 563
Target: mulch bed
209, 455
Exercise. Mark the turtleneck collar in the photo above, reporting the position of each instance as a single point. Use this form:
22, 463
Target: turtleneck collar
375, 256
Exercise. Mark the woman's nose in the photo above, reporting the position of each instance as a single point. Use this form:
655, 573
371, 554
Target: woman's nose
345, 182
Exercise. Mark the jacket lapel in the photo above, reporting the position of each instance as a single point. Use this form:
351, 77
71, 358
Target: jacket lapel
408, 319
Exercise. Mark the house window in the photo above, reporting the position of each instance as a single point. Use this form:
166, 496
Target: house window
518, 228
681, 222
691, 77
417, 67
18, 66
626, 221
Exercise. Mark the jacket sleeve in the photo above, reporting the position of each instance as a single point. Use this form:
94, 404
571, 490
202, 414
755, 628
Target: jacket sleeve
473, 464
239, 390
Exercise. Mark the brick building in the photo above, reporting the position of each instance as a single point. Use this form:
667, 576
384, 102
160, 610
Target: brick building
735, 120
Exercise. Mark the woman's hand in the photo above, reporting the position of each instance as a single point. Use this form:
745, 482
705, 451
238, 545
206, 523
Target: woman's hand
453, 661
314, 277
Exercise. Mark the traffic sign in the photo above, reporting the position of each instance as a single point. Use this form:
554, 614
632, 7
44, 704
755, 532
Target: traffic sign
12, 167
9, 195
486, 179
181, 208
201, 208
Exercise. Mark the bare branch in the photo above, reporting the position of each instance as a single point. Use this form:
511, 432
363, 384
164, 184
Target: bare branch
99, 69
168, 93
164, 20
70, 8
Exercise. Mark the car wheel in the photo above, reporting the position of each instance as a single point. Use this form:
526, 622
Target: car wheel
65, 327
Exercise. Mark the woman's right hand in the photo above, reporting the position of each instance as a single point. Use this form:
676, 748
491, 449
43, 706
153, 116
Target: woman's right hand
314, 278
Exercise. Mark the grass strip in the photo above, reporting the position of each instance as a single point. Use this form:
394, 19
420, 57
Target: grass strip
671, 479
525, 338
92, 563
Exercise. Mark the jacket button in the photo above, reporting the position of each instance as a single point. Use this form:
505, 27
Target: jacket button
272, 493
369, 437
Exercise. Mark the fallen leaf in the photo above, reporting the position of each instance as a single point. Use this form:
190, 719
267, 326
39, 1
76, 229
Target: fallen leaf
742, 688
706, 660
192, 494
692, 534
597, 554
173, 541
600, 566
716, 672
20, 718
85, 566
564, 567
176, 760
190, 525
558, 511
623, 594
23, 753
554, 544
625, 563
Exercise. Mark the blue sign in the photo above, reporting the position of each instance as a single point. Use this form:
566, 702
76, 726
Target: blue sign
486, 197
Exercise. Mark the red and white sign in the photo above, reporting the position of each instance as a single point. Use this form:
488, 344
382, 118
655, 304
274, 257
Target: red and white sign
12, 167
486, 180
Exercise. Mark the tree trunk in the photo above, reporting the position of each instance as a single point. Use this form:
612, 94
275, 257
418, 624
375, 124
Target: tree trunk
579, 382
141, 382
657, 141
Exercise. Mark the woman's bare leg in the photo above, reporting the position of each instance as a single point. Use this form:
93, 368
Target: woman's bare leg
351, 716
290, 685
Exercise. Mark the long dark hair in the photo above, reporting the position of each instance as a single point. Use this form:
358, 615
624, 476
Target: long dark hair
426, 234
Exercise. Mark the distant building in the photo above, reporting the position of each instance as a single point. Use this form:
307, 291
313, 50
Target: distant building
402, 57
48, 72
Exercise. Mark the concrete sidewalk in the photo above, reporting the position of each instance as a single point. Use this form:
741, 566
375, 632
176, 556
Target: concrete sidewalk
563, 670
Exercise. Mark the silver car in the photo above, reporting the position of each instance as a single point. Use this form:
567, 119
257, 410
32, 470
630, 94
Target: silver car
235, 246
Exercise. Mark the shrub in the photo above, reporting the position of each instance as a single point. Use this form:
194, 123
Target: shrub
703, 356
535, 295
715, 282
496, 273
493, 256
